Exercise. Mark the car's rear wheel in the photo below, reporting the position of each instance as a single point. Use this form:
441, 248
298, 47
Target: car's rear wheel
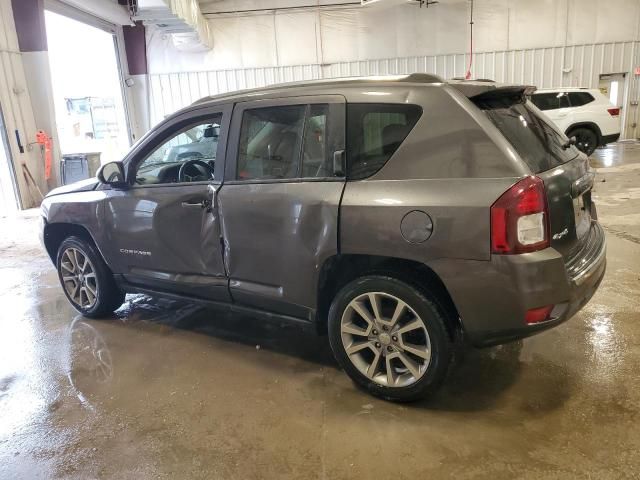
389, 337
586, 139
86, 280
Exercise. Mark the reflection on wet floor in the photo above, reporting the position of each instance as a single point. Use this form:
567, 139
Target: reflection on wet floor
168, 389
478, 377
615, 154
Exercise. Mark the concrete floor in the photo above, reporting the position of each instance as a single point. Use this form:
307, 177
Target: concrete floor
170, 390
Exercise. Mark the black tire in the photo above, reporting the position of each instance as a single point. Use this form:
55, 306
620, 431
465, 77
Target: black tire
107, 298
586, 139
427, 310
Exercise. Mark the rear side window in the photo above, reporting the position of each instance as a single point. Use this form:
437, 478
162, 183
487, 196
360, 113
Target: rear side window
374, 133
290, 141
537, 142
550, 101
577, 99
270, 140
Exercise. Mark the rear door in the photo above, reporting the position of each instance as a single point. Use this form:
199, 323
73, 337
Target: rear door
564, 170
280, 200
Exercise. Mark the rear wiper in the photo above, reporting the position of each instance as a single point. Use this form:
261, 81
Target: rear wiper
568, 143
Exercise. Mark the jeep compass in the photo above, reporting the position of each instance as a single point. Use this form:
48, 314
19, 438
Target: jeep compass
396, 214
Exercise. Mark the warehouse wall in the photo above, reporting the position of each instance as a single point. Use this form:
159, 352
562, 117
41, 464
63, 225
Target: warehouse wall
16, 103
395, 30
547, 43
578, 65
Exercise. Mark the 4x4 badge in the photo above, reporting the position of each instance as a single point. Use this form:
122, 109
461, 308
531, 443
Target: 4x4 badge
558, 236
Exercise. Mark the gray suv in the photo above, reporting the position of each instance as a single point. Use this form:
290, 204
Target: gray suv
398, 214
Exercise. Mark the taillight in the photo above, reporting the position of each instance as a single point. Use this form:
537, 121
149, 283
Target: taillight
614, 112
520, 219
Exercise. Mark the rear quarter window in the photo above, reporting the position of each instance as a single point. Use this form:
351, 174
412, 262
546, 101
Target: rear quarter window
578, 99
535, 140
374, 133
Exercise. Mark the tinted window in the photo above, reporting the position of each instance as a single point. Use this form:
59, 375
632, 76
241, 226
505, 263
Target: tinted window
270, 141
550, 101
199, 142
374, 133
537, 142
578, 99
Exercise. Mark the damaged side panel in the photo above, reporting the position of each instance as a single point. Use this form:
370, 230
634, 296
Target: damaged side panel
277, 237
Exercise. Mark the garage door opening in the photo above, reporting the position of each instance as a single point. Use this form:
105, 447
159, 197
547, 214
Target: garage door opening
8, 190
90, 112
615, 87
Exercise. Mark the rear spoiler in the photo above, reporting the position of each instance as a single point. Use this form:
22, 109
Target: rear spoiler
502, 97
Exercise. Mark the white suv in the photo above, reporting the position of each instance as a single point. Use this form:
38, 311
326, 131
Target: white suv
583, 113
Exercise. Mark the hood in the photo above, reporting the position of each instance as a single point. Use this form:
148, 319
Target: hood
80, 186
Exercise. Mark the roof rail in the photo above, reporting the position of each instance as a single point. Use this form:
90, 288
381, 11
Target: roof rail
483, 80
422, 78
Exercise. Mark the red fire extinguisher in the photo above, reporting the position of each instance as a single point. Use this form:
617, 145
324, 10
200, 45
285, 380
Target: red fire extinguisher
45, 140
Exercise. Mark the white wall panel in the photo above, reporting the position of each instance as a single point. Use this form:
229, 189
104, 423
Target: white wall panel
301, 30
16, 104
578, 65
399, 30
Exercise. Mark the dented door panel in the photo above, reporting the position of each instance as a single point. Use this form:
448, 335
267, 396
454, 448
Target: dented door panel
277, 236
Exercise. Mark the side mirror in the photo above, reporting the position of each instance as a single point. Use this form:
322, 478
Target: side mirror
569, 142
112, 173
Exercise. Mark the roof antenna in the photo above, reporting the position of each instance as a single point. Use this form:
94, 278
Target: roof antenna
468, 75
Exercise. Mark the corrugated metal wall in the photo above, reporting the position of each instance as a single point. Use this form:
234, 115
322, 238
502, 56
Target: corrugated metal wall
578, 65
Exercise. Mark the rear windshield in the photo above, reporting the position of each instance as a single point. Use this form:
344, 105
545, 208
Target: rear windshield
537, 142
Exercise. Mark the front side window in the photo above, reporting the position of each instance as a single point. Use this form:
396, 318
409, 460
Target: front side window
374, 133
195, 146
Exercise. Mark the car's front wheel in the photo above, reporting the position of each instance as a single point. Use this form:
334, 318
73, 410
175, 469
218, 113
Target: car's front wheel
389, 337
86, 280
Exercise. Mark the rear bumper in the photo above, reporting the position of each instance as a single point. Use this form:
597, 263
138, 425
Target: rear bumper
493, 297
609, 138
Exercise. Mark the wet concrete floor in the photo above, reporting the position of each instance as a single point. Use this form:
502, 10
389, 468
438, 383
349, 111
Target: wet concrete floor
172, 390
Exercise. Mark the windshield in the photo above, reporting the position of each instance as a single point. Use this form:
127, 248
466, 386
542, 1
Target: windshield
535, 139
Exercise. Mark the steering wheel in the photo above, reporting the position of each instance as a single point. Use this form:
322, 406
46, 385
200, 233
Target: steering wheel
187, 169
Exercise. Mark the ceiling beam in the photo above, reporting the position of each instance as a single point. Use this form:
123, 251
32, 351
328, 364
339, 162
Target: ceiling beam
239, 7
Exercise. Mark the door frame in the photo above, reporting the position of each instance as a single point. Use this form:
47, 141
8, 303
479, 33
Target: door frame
624, 105
169, 127
274, 297
233, 142
82, 16
11, 168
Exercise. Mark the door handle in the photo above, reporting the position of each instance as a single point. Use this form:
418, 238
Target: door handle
197, 204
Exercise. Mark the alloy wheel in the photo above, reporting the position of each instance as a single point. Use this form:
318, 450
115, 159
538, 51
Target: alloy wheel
385, 339
79, 278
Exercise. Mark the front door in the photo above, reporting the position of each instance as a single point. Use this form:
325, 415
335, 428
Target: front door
280, 200
164, 230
